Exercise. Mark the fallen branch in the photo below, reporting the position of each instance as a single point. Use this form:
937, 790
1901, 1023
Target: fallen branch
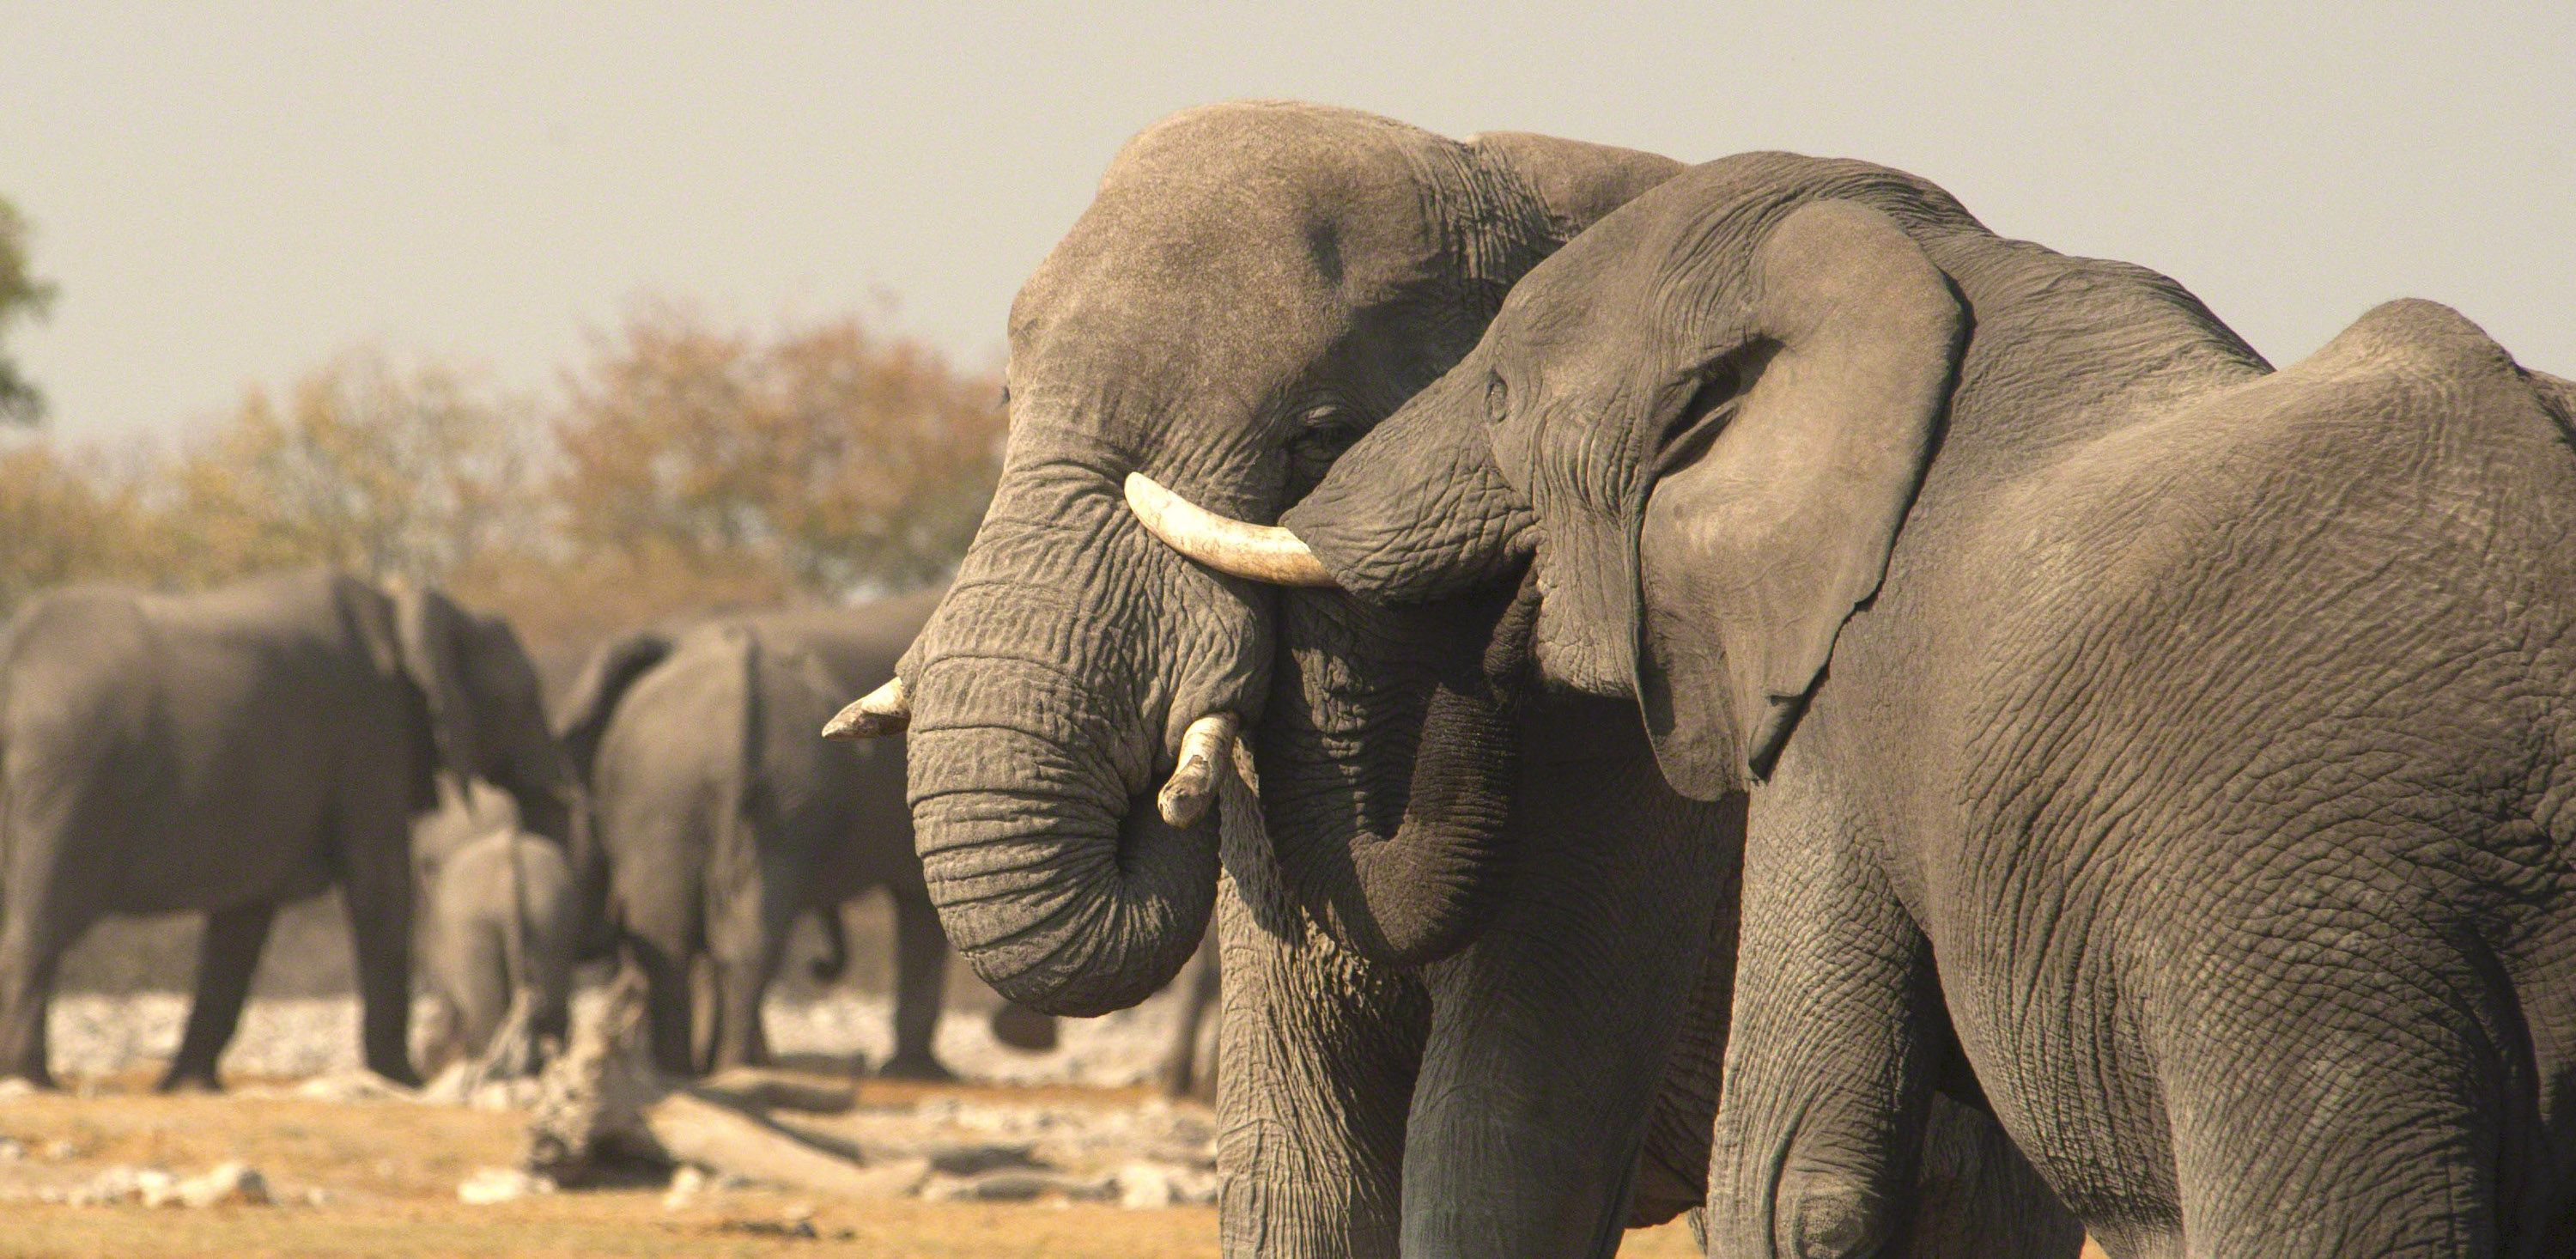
604, 1101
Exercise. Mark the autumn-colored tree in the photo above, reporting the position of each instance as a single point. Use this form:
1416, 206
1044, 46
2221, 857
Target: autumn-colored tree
847, 462
63, 521
688, 470
367, 466
22, 296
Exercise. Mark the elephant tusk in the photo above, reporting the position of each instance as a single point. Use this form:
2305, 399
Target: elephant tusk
1264, 553
883, 711
1206, 748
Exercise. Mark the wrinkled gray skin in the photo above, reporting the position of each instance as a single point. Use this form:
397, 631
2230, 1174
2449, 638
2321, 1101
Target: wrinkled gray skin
233, 750
498, 910
722, 816
1254, 286
2211, 725
500, 915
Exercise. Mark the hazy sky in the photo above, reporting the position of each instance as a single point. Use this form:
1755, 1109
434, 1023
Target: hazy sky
231, 192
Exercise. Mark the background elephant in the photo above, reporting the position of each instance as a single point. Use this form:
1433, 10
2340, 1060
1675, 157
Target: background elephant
1254, 287
723, 816
2209, 725
501, 920
236, 749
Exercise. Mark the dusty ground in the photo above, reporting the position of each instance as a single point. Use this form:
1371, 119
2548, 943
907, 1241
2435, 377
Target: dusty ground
386, 1175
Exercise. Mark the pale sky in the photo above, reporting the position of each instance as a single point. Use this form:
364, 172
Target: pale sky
230, 192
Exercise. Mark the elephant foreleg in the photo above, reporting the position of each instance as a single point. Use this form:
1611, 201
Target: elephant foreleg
227, 957
1549, 1035
1320, 1051
1836, 1046
920, 984
377, 882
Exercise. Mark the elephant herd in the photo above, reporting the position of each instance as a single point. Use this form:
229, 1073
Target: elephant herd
1735, 686
1726, 687
230, 751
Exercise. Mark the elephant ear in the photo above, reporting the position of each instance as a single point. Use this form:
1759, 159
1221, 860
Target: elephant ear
436, 638
1773, 517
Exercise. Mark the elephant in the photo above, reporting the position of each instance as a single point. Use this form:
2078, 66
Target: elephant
1254, 287
237, 748
722, 817
2166, 748
500, 922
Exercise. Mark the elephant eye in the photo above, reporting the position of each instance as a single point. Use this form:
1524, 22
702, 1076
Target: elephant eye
1498, 397
1325, 433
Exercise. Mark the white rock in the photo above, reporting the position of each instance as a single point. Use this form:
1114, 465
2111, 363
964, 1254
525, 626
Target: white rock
501, 1184
1144, 1187
351, 1086
12, 1150
686, 1184
156, 1188
229, 1184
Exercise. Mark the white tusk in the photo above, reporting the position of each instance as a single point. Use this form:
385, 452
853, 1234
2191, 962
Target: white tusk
883, 711
1206, 748
1265, 553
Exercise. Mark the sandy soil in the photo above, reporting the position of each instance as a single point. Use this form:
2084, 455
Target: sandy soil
380, 1179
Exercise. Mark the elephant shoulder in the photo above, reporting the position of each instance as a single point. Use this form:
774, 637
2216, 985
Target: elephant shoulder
2412, 362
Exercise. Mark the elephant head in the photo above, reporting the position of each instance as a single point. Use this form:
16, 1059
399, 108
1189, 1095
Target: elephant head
487, 714
1253, 288
1700, 425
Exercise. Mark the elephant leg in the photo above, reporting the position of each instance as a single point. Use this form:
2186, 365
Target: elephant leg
741, 983
745, 940
1549, 1035
1832, 1056
2376, 1116
483, 987
1979, 1196
227, 957
920, 985
377, 882
669, 1016
33, 938
1195, 988
1320, 1050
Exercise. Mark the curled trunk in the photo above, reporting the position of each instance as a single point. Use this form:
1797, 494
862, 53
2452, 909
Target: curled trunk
1387, 769
1034, 748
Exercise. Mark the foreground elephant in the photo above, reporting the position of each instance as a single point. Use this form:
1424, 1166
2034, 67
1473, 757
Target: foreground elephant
2211, 726
722, 818
1254, 287
234, 750
500, 920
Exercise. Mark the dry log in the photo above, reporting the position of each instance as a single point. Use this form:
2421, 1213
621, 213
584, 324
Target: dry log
603, 1101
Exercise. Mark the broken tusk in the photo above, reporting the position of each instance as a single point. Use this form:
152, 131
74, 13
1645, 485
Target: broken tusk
1265, 553
883, 711
1206, 749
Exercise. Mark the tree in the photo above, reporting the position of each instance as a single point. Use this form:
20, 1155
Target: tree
367, 466
22, 296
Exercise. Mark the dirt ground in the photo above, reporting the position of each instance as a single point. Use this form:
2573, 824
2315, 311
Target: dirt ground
386, 1175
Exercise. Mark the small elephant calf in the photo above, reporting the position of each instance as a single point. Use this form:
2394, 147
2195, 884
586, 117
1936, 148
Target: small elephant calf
501, 920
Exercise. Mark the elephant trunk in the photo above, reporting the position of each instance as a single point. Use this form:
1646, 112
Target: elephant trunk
1061, 899
1031, 760
1396, 849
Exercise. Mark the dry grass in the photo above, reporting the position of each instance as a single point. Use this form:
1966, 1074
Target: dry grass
388, 1173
